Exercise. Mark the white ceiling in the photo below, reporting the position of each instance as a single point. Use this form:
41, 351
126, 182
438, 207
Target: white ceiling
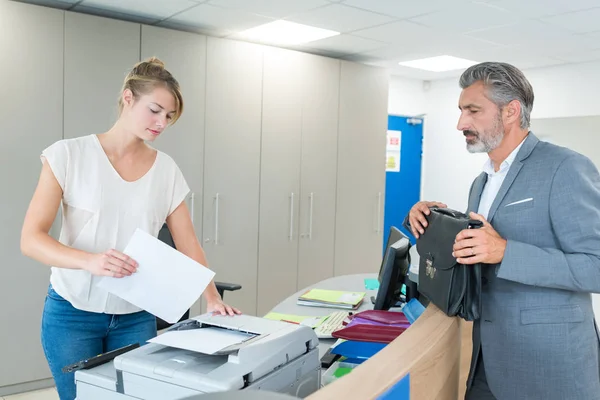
526, 33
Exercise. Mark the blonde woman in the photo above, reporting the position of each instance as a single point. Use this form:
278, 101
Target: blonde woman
109, 185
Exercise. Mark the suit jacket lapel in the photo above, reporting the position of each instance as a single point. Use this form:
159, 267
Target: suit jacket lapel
516, 166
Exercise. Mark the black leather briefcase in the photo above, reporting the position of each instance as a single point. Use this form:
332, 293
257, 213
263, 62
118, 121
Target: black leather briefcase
454, 288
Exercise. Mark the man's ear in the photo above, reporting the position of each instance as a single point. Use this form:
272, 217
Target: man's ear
512, 112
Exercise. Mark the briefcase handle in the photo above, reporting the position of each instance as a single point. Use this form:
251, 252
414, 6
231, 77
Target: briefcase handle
449, 212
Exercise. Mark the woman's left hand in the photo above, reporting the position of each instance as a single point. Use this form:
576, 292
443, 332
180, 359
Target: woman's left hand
218, 307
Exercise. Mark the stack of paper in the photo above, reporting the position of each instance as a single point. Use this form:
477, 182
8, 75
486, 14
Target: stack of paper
331, 299
309, 321
204, 340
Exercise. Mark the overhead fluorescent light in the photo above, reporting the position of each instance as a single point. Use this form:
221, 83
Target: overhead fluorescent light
439, 64
285, 32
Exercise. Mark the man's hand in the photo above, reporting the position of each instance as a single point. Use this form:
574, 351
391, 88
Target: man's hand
482, 245
217, 306
417, 214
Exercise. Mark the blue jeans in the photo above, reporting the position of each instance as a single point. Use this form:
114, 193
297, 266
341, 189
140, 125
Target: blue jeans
70, 335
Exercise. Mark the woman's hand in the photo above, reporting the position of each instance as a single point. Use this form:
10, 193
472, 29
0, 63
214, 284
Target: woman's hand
217, 306
111, 263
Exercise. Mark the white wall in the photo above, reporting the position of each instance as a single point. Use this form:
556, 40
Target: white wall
448, 169
407, 97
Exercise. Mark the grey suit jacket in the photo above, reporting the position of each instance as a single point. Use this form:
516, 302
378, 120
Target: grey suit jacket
537, 331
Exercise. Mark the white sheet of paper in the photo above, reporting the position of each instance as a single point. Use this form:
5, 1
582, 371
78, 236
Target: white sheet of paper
203, 340
167, 282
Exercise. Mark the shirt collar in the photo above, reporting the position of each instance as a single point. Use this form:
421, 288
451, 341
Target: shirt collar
488, 166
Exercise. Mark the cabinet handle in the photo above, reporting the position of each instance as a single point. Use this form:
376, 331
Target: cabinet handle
192, 206
310, 215
217, 219
378, 213
291, 235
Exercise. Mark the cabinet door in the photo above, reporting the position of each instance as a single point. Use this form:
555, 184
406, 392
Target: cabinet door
361, 168
279, 177
184, 55
321, 80
99, 52
232, 166
31, 76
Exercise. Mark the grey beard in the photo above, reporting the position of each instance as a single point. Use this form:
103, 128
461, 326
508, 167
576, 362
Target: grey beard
489, 142
485, 145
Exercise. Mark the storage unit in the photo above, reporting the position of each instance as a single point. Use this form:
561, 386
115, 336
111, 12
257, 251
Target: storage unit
298, 170
232, 166
361, 169
31, 76
283, 151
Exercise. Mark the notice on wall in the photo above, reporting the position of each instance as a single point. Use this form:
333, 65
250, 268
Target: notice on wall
392, 157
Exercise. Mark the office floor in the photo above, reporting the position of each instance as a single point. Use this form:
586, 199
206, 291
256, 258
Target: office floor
45, 394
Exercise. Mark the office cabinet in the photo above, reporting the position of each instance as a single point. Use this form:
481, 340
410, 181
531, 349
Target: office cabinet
298, 173
232, 166
99, 53
280, 176
321, 80
31, 76
284, 153
361, 168
184, 55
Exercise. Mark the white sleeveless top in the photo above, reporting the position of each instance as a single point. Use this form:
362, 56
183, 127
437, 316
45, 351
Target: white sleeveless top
100, 211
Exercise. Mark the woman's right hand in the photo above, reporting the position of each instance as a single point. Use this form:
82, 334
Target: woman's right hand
417, 214
111, 263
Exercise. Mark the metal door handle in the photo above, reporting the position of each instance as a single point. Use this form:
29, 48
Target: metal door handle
311, 198
217, 219
291, 235
378, 213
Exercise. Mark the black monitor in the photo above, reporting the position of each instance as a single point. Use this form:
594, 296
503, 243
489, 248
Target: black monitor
393, 237
393, 274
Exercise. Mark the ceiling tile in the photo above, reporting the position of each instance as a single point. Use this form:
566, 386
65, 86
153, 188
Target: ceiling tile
100, 12
400, 32
404, 9
61, 4
407, 36
579, 22
203, 30
579, 57
520, 57
347, 44
208, 17
340, 18
155, 9
480, 16
531, 31
542, 8
271, 8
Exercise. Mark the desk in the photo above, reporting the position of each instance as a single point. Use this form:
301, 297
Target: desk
430, 350
348, 283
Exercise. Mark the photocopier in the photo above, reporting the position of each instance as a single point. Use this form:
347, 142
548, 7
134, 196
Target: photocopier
276, 357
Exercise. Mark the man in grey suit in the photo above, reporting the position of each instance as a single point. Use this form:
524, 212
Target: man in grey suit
537, 337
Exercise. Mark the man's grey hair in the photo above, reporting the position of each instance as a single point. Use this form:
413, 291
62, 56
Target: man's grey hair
504, 84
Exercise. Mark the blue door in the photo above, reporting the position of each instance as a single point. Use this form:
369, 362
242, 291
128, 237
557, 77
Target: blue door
403, 166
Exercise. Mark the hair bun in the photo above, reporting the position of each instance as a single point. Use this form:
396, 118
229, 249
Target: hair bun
155, 61
152, 67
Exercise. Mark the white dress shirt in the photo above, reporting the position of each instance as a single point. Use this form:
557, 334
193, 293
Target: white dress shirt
494, 181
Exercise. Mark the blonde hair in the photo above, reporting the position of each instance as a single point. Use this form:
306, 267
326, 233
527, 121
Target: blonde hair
147, 75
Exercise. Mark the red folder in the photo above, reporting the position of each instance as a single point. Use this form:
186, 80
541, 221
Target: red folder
369, 333
382, 317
